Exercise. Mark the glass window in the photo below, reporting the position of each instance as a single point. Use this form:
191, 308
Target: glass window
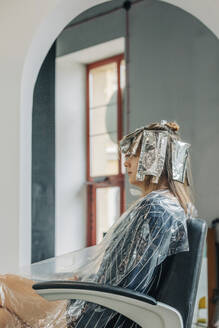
104, 110
103, 113
103, 120
108, 209
103, 83
122, 74
104, 155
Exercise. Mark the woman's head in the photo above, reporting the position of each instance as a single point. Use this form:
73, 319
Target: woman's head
131, 165
156, 158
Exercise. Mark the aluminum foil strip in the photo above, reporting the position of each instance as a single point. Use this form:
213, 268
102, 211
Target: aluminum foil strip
180, 151
189, 171
129, 144
152, 156
135, 143
124, 145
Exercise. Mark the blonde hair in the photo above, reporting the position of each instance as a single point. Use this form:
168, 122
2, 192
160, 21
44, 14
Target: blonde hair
182, 191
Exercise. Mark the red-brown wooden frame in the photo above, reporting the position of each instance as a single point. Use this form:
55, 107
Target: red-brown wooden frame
110, 181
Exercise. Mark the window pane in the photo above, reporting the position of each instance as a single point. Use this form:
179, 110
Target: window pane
104, 155
108, 209
122, 74
103, 83
103, 120
123, 169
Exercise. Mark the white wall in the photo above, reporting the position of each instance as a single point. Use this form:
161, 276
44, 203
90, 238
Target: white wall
71, 200
27, 30
70, 155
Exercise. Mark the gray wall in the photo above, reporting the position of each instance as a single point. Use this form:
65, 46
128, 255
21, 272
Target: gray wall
96, 31
174, 76
43, 162
174, 65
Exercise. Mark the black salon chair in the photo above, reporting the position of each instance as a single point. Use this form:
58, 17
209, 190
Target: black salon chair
171, 306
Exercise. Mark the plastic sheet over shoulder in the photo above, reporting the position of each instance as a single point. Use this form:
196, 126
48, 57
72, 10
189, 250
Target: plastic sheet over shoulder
158, 211
153, 228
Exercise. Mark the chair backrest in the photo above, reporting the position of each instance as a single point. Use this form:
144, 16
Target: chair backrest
180, 273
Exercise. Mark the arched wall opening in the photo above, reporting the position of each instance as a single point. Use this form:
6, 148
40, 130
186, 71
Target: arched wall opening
48, 31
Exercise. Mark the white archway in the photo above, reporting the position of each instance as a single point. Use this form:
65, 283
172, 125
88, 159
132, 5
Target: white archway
48, 28
47, 32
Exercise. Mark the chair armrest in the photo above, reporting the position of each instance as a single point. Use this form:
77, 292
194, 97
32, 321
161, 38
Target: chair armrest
142, 309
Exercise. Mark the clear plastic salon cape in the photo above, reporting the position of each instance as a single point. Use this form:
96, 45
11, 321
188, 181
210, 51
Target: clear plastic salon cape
153, 228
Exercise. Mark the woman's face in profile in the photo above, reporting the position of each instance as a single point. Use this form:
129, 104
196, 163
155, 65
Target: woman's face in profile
131, 165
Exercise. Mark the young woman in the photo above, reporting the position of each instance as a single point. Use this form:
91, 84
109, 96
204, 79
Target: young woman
154, 227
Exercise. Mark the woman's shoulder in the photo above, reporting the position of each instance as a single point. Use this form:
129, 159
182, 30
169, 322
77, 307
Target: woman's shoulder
160, 216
